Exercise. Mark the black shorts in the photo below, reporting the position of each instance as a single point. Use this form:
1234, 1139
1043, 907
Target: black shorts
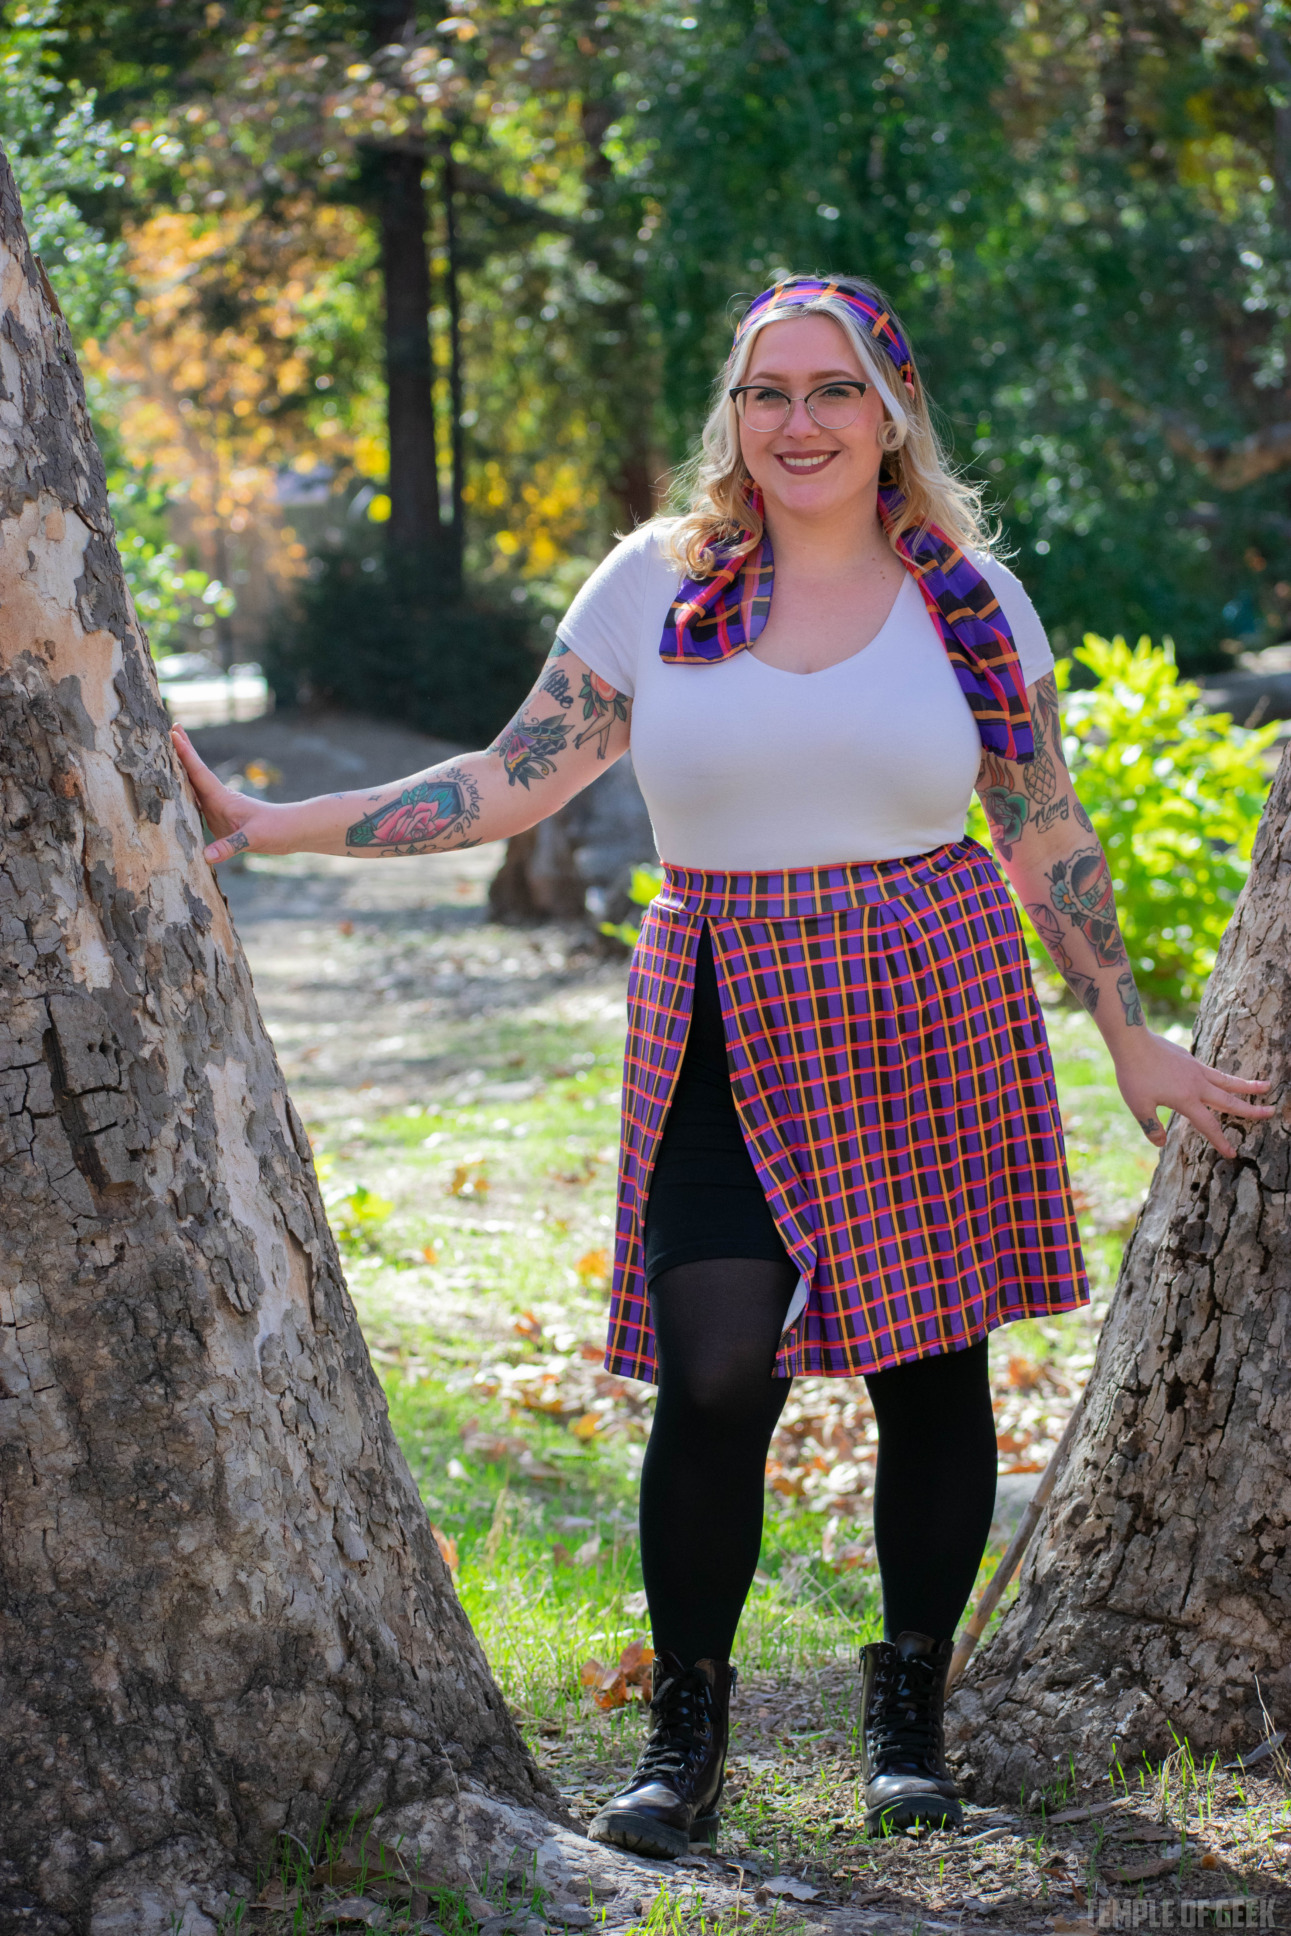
705, 1198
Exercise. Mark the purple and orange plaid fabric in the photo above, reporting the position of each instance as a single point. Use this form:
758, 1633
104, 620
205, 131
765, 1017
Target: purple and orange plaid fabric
892, 1075
712, 618
878, 320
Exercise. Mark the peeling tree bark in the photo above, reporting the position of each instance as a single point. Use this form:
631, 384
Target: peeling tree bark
221, 1606
1159, 1587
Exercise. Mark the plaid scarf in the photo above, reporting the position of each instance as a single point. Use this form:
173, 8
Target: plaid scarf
713, 618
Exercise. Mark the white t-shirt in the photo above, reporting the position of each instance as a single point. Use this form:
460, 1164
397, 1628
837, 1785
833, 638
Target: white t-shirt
744, 766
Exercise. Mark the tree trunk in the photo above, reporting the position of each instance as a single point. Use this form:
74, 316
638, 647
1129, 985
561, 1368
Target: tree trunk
1158, 1593
221, 1604
414, 530
455, 537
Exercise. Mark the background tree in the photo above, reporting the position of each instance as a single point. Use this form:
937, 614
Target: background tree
1082, 232
1085, 233
1156, 1601
221, 1604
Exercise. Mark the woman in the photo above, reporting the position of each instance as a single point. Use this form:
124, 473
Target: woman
841, 1145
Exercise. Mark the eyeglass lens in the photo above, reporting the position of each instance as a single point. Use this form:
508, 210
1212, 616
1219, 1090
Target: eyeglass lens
833, 405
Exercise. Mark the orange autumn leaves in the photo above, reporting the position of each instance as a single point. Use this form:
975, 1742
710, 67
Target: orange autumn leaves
210, 392
612, 1687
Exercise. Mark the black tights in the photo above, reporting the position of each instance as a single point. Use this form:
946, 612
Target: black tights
717, 1328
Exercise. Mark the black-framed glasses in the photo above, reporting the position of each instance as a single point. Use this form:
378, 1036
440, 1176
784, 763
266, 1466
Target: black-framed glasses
832, 405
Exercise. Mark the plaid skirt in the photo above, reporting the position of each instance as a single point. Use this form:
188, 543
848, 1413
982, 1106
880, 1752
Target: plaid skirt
892, 1075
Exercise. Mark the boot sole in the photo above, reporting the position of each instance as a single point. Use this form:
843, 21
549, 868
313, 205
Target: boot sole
919, 1811
623, 1828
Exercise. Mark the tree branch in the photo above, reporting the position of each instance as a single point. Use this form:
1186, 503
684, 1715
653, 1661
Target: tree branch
1230, 467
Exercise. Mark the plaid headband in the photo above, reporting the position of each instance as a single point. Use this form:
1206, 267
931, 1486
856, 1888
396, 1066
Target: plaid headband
713, 618
806, 289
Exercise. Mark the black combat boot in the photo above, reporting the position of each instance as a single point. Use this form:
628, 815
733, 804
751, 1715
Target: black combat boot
672, 1798
903, 1698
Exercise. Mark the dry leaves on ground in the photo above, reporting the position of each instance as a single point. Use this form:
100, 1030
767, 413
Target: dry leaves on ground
823, 1454
631, 1680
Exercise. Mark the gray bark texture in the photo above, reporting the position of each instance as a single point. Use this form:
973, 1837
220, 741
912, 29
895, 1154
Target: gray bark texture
221, 1605
1157, 1593
578, 862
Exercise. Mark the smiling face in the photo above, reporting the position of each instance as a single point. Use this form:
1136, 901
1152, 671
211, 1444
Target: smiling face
804, 471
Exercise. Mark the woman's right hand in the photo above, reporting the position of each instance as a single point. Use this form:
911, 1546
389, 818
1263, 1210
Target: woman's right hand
240, 825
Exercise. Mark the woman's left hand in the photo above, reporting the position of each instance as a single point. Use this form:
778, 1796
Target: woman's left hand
1154, 1073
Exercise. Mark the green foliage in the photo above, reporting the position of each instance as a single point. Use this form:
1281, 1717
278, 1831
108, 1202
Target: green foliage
69, 165
178, 603
646, 882
1079, 223
1175, 794
357, 1216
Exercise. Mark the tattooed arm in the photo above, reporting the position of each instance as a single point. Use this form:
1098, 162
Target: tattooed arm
568, 730
1050, 852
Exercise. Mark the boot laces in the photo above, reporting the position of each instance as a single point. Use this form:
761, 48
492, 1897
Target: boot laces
902, 1727
682, 1718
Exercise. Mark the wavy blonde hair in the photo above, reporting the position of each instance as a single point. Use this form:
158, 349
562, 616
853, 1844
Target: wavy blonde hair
715, 486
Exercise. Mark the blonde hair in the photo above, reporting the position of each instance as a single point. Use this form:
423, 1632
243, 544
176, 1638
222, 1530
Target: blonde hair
716, 487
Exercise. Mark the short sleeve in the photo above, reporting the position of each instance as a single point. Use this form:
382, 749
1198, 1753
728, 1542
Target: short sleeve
1032, 641
610, 621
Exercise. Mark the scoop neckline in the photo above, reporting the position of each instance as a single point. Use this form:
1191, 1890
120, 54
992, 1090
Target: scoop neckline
820, 672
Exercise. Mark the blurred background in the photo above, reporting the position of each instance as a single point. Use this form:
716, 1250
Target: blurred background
393, 316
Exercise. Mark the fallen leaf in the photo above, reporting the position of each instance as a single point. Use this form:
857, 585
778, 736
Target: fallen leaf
632, 1679
528, 1326
1135, 1833
1209, 1861
586, 1427
594, 1267
447, 1548
1082, 1927
354, 1909
613, 1694
791, 1886
1144, 1871
1082, 1814
339, 1875
430, 1254
1024, 1373
345, 927
586, 1554
1264, 1750
469, 1179
636, 1664
560, 1555
591, 1673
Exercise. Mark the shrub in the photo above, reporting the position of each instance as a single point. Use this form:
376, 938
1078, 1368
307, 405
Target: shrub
646, 882
1175, 794
374, 636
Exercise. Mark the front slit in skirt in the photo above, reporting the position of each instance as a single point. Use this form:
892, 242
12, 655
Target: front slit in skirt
890, 1069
